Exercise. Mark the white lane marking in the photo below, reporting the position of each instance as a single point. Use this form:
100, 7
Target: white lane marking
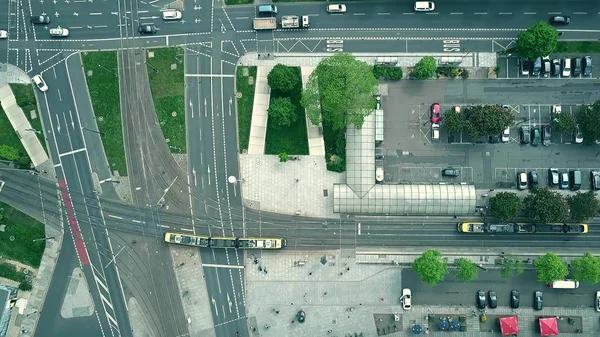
1, 185
222, 266
480, 13
140, 12
115, 217
554, 13
95, 14
432, 13
137, 221
242, 18
530, 13
457, 13
187, 229
163, 226
209, 75
383, 13
358, 14
505, 13
408, 13
72, 152
580, 13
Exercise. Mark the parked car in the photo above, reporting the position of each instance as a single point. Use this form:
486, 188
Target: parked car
546, 135
546, 68
595, 180
587, 65
524, 134
597, 301
435, 113
515, 299
435, 132
566, 66
555, 67
578, 136
506, 135
533, 179
493, 299
576, 64
336, 8
40, 19
564, 181
494, 139
560, 20
525, 65
147, 29
522, 180
480, 299
537, 67
538, 300
450, 172
3, 34
535, 136
552, 177
406, 299
40, 83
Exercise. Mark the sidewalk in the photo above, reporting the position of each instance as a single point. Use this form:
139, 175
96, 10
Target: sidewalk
22, 127
258, 125
316, 144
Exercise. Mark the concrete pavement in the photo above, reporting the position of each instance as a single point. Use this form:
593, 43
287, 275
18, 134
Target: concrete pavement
262, 96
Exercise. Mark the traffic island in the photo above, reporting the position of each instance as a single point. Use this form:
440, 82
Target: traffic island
245, 86
26, 100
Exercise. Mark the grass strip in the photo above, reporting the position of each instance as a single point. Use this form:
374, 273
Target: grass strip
16, 241
166, 75
245, 80
239, 2
26, 100
578, 47
101, 71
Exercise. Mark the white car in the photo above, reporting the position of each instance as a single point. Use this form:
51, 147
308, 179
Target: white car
3, 34
522, 180
336, 8
506, 135
406, 299
171, 15
598, 301
578, 136
39, 83
59, 32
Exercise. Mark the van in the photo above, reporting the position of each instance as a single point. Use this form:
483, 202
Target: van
171, 15
564, 284
575, 180
59, 32
267, 10
424, 6
537, 67
435, 132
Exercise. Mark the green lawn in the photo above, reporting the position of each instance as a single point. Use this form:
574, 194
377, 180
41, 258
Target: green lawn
8, 136
26, 100
244, 104
292, 139
578, 47
238, 2
168, 93
101, 71
23, 230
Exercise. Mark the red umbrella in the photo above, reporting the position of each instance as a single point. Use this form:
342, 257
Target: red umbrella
509, 326
548, 326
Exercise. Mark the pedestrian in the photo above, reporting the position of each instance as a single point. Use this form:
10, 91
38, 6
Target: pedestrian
325, 293
260, 268
348, 269
277, 312
310, 273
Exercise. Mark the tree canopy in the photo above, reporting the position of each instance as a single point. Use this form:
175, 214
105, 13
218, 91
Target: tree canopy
465, 270
282, 112
486, 120
588, 118
583, 206
538, 40
564, 122
550, 268
586, 269
505, 206
454, 122
431, 267
283, 78
545, 206
511, 266
340, 91
425, 68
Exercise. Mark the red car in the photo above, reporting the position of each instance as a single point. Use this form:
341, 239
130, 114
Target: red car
435, 113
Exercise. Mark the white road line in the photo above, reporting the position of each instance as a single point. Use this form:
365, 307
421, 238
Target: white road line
554, 13
408, 13
359, 14
530, 13
140, 12
383, 13
222, 266
71, 152
1, 185
456, 13
208, 75
187, 229
432, 13
95, 13
480, 13
505, 13
163, 226
115, 217
136, 221
580, 13
242, 18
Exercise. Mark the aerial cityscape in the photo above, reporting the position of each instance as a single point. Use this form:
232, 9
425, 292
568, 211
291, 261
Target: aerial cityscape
245, 168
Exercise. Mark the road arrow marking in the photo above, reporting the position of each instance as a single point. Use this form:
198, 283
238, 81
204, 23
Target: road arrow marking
194, 173
215, 305
58, 123
204, 106
209, 175
229, 302
72, 123
192, 108
230, 102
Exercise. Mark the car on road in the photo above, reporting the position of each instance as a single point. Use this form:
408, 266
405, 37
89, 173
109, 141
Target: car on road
524, 134
41, 19
40, 83
435, 113
506, 135
147, 29
564, 181
406, 299
59, 32
595, 180
587, 65
555, 67
546, 135
3, 34
597, 301
525, 65
481, 299
336, 8
450, 172
493, 299
533, 179
535, 136
552, 177
560, 20
172, 15
522, 180
538, 300
494, 139
424, 6
578, 136
566, 67
576, 64
515, 299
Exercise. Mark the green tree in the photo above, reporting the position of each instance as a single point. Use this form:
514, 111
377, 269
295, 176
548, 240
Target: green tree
340, 92
283, 157
511, 266
465, 270
425, 68
486, 120
564, 122
544, 206
283, 78
387, 72
583, 206
9, 153
431, 267
586, 269
454, 122
505, 206
282, 112
550, 268
538, 40
588, 118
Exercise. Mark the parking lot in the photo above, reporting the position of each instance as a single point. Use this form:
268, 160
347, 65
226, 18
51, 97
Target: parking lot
509, 69
412, 156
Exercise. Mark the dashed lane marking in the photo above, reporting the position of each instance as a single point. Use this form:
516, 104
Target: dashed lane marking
227, 266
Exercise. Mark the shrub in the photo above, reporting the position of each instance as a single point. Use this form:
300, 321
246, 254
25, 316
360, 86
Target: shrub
464, 74
387, 72
25, 286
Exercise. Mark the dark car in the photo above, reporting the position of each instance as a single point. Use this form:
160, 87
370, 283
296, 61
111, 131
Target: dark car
42, 19
515, 298
450, 172
587, 65
535, 136
533, 179
576, 66
546, 68
538, 300
525, 66
480, 299
493, 299
555, 67
546, 135
524, 134
560, 20
147, 29
494, 139
595, 178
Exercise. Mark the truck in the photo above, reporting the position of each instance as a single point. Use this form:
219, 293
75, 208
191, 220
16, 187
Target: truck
265, 23
294, 21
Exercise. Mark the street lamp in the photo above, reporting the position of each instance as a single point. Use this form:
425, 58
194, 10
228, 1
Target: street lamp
46, 238
94, 131
33, 130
